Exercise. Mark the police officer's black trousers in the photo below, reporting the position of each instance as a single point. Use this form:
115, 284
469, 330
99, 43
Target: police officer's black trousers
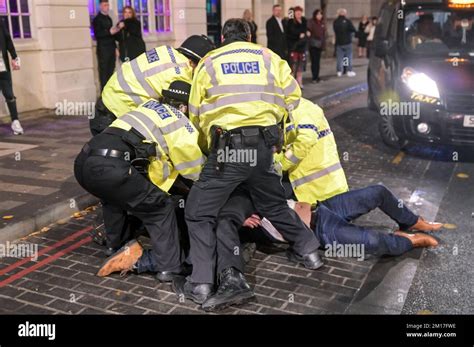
118, 228
116, 221
115, 181
231, 217
229, 224
209, 194
106, 62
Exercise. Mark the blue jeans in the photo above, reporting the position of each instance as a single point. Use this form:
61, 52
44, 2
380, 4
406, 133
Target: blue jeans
147, 262
333, 217
344, 51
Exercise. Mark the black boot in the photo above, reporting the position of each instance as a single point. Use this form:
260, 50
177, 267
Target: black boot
310, 261
168, 276
233, 290
197, 292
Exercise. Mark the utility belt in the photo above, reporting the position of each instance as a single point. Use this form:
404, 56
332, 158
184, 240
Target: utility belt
249, 136
245, 137
138, 158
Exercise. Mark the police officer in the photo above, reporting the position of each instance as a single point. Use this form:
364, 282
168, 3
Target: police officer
137, 81
240, 93
145, 77
310, 158
312, 164
132, 164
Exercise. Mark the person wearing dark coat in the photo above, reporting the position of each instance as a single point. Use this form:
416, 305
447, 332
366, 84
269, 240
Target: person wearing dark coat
253, 26
297, 36
104, 32
276, 37
131, 43
317, 42
6, 84
362, 36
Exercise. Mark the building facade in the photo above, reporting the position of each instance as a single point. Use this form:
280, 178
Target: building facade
57, 49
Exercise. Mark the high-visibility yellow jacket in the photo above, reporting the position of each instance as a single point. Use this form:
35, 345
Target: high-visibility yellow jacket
176, 142
241, 84
144, 78
311, 157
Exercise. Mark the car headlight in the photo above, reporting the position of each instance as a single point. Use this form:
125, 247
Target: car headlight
420, 82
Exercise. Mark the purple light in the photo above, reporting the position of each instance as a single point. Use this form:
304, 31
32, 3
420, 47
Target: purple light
3, 6
91, 7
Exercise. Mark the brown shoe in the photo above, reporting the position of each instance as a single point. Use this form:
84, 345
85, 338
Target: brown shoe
422, 225
419, 239
122, 260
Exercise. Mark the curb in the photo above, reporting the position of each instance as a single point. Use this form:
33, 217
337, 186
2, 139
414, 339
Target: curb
330, 99
46, 216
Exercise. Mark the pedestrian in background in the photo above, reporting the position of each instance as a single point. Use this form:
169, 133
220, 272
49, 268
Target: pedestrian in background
297, 36
291, 15
131, 43
104, 32
317, 42
248, 16
362, 36
344, 31
276, 37
6, 84
370, 31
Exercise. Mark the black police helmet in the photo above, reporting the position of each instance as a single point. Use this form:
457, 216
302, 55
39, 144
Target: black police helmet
196, 47
178, 92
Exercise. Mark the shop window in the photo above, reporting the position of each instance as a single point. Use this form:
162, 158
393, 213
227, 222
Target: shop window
15, 15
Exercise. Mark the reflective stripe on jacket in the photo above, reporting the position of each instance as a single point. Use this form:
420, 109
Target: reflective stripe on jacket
176, 142
241, 84
144, 78
311, 157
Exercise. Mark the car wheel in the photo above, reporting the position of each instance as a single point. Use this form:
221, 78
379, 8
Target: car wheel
388, 133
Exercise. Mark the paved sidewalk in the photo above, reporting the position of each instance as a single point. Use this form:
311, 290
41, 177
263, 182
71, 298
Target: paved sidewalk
332, 89
68, 285
36, 174
36, 169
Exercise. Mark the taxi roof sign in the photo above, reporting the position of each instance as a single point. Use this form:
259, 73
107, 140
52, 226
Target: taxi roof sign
422, 2
461, 3
450, 3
